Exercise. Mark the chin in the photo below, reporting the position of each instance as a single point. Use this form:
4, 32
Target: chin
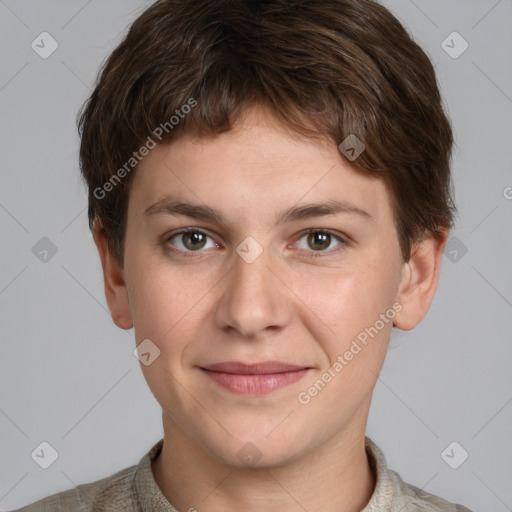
255, 449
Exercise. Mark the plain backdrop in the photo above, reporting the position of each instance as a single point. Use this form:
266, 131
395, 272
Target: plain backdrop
68, 375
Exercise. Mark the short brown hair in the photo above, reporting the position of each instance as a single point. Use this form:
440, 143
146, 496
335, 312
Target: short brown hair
328, 68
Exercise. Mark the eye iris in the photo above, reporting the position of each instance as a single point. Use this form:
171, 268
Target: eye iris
196, 240
195, 237
323, 239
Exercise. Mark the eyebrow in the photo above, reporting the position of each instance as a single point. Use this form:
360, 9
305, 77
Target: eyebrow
176, 207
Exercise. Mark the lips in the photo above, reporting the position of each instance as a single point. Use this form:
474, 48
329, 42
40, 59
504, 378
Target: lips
261, 368
254, 378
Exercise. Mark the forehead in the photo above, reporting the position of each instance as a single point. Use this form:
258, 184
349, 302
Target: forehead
259, 166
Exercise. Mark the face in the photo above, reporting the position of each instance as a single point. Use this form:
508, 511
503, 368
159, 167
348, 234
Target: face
256, 300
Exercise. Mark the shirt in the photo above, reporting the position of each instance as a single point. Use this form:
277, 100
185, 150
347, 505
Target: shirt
134, 489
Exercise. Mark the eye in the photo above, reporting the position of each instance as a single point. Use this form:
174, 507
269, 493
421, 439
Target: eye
193, 240
319, 240
190, 240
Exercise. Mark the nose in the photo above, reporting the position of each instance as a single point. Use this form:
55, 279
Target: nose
254, 302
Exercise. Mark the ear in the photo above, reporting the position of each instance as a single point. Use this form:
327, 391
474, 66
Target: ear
116, 291
420, 276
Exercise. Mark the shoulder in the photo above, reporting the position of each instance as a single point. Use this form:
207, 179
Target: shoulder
115, 492
414, 499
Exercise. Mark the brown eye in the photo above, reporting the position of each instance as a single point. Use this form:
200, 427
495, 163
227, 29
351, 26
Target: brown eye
190, 240
321, 241
193, 240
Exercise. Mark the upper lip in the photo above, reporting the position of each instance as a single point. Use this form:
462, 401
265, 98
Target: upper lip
262, 367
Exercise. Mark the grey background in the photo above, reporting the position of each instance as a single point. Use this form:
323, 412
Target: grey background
67, 373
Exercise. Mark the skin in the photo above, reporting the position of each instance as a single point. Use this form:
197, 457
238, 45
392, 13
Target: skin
286, 305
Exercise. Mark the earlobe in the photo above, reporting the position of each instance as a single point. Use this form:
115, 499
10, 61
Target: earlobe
116, 292
420, 276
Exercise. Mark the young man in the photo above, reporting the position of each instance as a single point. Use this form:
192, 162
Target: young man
269, 192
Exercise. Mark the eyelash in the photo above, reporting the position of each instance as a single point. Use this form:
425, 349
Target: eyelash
314, 254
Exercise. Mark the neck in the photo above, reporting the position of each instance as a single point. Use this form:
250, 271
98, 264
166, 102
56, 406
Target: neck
336, 478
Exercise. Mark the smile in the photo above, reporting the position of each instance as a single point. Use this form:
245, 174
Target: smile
254, 379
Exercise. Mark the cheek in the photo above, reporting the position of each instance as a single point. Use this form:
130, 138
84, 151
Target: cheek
167, 303
334, 304
346, 300
350, 303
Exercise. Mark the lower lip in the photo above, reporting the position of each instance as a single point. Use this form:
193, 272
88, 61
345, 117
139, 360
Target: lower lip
255, 384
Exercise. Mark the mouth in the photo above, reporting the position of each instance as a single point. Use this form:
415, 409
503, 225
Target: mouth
254, 378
